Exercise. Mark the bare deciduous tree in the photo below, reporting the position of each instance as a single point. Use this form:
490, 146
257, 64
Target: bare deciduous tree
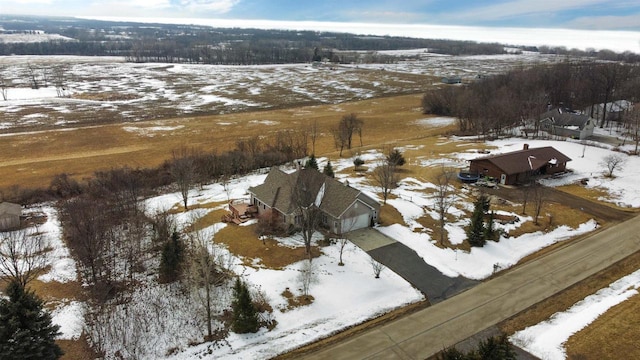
207, 271
87, 227
349, 125
21, 255
339, 139
307, 277
60, 80
445, 197
525, 189
348, 224
377, 268
314, 133
32, 72
305, 199
3, 85
385, 176
539, 196
183, 172
612, 162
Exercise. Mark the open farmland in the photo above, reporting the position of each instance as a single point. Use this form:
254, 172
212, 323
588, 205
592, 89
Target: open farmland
78, 91
108, 90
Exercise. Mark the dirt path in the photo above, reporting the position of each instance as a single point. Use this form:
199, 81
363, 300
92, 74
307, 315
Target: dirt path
599, 211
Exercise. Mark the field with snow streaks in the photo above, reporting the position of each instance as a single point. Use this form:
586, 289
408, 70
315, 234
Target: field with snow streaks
85, 90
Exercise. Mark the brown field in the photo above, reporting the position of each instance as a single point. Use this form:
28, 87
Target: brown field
32, 159
602, 339
612, 335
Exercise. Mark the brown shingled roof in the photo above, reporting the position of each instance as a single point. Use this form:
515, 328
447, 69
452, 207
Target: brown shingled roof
278, 191
520, 161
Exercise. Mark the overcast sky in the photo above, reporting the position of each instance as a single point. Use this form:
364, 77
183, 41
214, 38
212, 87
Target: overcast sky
572, 14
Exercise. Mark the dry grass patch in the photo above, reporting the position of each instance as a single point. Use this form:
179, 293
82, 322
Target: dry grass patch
390, 215
76, 349
243, 242
54, 290
105, 96
594, 194
552, 216
613, 335
295, 301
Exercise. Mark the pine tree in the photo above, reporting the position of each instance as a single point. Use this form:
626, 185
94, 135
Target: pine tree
489, 229
26, 331
245, 315
396, 158
451, 354
312, 163
476, 232
496, 348
328, 170
357, 162
171, 260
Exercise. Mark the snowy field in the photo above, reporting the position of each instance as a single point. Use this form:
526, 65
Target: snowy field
104, 89
344, 295
546, 339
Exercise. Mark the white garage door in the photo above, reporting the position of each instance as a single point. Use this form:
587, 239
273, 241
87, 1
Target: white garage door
355, 223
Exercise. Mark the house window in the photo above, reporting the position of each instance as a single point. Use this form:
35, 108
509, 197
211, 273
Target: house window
324, 219
298, 219
264, 206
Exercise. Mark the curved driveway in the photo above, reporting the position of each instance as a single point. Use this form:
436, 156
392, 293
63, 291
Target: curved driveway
422, 334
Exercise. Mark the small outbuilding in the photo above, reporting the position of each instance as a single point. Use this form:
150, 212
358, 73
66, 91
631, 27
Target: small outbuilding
520, 166
9, 216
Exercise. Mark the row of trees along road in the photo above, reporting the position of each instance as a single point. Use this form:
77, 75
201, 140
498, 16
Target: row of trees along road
492, 105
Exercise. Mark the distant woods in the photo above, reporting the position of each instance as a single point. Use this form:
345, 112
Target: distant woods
492, 105
202, 44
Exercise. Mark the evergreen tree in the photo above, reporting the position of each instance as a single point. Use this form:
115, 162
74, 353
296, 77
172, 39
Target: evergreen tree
476, 232
489, 229
328, 170
357, 162
312, 163
496, 348
245, 315
451, 354
26, 331
493, 348
396, 158
171, 259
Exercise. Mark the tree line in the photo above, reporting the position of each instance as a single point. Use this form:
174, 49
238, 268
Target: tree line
203, 44
492, 105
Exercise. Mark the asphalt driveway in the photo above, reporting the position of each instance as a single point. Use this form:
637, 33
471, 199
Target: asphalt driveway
405, 262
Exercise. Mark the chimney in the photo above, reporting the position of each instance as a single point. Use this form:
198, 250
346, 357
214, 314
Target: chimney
525, 147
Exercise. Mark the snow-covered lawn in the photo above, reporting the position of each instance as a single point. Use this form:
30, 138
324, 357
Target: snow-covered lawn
343, 295
546, 339
586, 162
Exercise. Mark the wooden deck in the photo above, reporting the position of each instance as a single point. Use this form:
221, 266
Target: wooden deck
240, 212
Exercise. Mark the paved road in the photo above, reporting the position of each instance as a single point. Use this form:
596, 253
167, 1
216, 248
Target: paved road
402, 260
428, 331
